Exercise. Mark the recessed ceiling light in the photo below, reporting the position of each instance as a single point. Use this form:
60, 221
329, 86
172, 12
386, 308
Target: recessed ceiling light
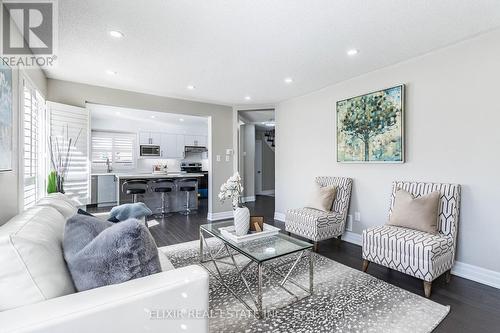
288, 80
191, 87
352, 52
153, 117
181, 119
117, 113
247, 98
110, 72
116, 34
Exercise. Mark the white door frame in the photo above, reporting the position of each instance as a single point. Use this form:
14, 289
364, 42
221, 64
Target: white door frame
258, 166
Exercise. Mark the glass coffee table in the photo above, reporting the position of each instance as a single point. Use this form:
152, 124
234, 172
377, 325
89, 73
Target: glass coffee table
259, 252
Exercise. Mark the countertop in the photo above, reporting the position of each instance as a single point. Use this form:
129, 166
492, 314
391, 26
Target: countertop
157, 175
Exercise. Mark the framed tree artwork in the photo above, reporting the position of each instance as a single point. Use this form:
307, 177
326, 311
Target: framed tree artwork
5, 117
370, 127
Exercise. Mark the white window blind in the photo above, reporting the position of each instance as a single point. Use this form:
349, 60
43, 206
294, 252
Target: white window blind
69, 122
33, 182
117, 148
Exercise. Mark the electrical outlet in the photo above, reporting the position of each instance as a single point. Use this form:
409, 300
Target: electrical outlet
348, 227
218, 158
227, 158
357, 216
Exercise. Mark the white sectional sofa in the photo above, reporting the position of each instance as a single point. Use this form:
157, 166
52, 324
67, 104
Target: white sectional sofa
37, 293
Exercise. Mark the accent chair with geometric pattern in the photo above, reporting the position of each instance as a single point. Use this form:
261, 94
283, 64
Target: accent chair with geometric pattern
317, 225
417, 253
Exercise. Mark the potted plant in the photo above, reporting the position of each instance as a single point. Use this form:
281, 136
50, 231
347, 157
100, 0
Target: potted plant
61, 149
232, 190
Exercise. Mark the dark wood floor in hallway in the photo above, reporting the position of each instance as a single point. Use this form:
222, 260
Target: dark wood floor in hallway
474, 307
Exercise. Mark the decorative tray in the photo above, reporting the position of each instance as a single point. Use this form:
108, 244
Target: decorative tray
230, 233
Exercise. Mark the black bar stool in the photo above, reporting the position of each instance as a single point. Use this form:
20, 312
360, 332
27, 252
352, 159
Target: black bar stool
135, 187
163, 186
187, 185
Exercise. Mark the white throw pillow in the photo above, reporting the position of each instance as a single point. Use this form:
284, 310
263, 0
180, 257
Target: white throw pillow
323, 197
31, 258
415, 213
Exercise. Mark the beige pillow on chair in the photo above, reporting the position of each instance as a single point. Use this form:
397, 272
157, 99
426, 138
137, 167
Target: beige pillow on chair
323, 197
415, 213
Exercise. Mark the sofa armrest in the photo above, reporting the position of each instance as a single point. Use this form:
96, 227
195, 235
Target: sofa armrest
151, 304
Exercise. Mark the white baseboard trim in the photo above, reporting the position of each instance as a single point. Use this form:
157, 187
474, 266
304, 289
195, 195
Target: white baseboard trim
279, 216
463, 270
352, 237
220, 216
476, 273
248, 199
267, 192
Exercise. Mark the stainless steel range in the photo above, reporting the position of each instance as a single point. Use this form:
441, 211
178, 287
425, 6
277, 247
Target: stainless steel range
191, 167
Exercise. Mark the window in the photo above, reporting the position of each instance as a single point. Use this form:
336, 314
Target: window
33, 123
71, 124
113, 147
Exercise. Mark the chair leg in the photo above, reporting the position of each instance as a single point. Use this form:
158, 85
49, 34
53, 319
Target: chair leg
316, 247
365, 265
447, 276
427, 289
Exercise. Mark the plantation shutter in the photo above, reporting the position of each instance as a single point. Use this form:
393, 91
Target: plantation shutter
73, 122
33, 118
117, 148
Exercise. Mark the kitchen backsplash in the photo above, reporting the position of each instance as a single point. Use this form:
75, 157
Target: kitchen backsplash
173, 165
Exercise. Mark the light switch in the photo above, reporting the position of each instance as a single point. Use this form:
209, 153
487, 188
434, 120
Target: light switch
357, 216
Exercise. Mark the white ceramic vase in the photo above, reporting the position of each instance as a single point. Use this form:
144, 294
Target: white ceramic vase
241, 220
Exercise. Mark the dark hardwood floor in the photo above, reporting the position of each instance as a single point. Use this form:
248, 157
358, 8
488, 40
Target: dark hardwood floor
474, 307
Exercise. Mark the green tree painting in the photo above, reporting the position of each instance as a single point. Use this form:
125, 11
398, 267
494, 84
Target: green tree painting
369, 127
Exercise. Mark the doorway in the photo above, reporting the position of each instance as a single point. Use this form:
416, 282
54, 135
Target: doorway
256, 160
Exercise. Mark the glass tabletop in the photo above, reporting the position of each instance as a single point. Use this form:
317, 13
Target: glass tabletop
261, 249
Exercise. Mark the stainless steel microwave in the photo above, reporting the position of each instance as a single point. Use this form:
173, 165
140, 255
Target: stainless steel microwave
150, 151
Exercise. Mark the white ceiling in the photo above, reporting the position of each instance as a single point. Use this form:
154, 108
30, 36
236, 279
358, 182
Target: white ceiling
112, 118
230, 49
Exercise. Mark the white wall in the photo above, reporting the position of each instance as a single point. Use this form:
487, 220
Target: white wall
220, 119
452, 135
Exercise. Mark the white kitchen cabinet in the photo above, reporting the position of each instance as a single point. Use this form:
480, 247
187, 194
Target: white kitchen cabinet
202, 140
169, 146
195, 140
180, 145
149, 138
106, 190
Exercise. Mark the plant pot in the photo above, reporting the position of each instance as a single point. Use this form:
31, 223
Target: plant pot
241, 220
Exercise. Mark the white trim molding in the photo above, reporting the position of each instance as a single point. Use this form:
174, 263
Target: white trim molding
463, 270
267, 192
248, 199
352, 237
220, 216
476, 273
279, 216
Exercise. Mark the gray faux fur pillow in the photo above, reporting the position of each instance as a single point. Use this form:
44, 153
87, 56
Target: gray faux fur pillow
100, 253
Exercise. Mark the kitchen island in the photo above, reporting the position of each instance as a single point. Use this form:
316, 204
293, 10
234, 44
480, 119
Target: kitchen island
176, 200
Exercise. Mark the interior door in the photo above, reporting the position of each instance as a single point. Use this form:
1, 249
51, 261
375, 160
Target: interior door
258, 166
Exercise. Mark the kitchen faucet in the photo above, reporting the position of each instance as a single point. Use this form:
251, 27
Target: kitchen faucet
108, 165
